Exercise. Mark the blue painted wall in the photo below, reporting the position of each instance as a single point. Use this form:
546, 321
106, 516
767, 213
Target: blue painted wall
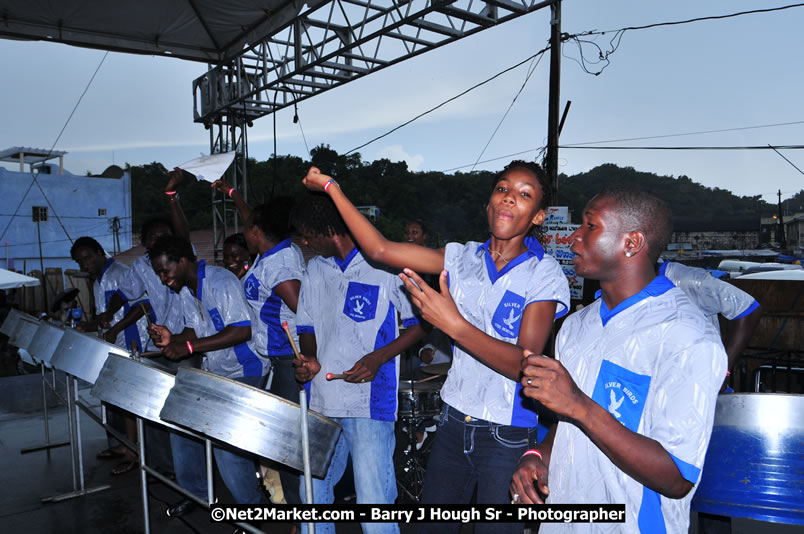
76, 199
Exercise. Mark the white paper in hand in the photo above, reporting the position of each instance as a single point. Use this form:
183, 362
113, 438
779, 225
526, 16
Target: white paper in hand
209, 168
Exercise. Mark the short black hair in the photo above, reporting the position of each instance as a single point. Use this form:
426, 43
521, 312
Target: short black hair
536, 170
641, 210
316, 213
174, 247
148, 226
236, 239
273, 218
86, 242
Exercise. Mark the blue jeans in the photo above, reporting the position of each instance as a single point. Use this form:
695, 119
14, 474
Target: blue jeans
469, 454
237, 469
373, 444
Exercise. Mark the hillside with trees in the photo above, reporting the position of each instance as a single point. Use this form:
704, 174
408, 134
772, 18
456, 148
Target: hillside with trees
451, 204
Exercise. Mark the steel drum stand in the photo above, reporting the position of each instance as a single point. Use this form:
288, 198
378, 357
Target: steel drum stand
45, 386
74, 406
146, 470
412, 466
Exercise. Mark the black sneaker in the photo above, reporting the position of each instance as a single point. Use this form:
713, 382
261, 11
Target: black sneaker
181, 508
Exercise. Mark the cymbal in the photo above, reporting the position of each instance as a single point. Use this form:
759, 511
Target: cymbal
436, 368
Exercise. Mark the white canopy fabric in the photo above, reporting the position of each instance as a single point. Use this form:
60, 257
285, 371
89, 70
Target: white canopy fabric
198, 30
10, 280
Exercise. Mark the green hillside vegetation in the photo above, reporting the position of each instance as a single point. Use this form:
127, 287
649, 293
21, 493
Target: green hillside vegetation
451, 204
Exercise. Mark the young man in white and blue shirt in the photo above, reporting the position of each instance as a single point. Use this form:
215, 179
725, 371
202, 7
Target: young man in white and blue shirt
218, 324
347, 325
634, 382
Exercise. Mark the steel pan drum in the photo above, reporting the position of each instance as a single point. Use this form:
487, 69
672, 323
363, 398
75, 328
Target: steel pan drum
139, 387
10, 324
82, 355
24, 332
249, 418
423, 398
45, 341
755, 463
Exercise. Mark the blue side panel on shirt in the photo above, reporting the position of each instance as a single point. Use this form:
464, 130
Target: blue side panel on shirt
688, 471
650, 513
383, 387
508, 315
278, 344
622, 393
524, 411
361, 301
252, 366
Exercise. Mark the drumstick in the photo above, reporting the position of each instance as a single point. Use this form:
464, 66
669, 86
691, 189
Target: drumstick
433, 377
335, 376
286, 328
145, 311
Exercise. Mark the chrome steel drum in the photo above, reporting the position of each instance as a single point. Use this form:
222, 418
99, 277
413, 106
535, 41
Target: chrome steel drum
82, 355
755, 463
422, 398
10, 324
45, 341
250, 419
24, 331
139, 387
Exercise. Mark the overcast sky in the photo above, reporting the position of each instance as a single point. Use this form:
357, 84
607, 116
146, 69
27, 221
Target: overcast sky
712, 75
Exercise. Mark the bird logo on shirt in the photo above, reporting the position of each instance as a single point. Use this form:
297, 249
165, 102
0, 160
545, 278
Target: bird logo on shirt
509, 322
615, 404
358, 307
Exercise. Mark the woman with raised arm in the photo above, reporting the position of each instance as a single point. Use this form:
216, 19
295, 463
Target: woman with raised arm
497, 298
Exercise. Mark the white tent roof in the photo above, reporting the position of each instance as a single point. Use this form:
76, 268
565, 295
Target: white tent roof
10, 280
198, 30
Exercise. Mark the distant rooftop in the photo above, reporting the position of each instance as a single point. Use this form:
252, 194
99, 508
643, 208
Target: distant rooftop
29, 155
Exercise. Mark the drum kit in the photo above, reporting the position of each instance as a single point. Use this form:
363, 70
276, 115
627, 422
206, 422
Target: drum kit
192, 402
419, 405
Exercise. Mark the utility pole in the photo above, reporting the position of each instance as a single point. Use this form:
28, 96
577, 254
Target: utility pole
551, 161
782, 240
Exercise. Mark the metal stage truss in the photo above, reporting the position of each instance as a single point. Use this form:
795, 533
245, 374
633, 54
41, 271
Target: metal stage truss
327, 45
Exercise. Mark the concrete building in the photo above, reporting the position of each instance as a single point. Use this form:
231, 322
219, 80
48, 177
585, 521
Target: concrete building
47, 204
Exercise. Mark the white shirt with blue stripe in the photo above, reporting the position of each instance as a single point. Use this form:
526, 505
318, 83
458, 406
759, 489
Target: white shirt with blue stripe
655, 365
218, 303
494, 301
116, 278
282, 263
165, 304
714, 297
352, 307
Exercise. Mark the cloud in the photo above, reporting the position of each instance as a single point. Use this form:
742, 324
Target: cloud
397, 153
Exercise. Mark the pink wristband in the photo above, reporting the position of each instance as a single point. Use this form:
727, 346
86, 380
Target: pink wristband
232, 190
190, 347
329, 183
533, 452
